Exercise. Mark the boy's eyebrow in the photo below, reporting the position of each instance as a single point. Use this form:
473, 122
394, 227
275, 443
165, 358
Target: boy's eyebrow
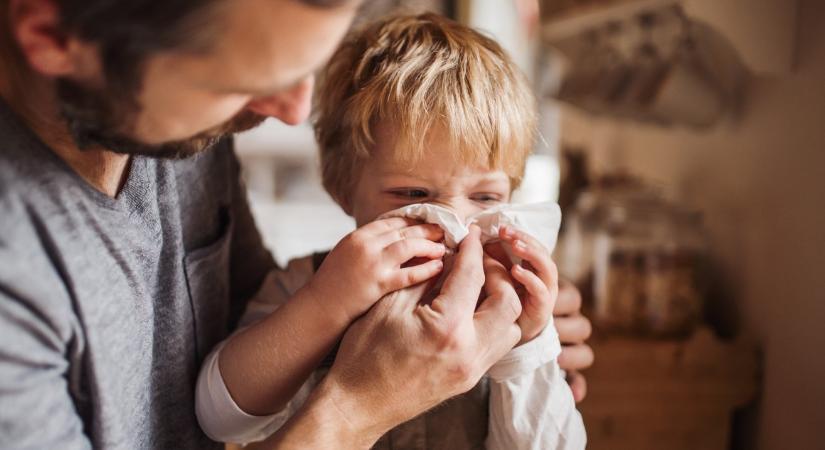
493, 177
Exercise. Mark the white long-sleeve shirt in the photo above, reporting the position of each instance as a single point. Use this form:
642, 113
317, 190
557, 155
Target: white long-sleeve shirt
530, 404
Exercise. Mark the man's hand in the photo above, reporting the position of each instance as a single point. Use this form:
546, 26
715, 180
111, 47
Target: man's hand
573, 329
404, 356
367, 264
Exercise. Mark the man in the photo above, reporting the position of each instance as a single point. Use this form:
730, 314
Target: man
127, 248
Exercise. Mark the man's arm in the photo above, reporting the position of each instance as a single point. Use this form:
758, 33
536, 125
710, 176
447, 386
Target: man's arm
36, 410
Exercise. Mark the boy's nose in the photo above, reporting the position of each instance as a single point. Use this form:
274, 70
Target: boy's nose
291, 106
462, 209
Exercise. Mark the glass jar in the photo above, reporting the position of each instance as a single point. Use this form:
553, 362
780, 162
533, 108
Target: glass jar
590, 215
647, 274
674, 277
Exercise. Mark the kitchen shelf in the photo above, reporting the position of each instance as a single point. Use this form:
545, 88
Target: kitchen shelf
761, 31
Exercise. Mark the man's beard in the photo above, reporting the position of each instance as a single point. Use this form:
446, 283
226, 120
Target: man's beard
95, 120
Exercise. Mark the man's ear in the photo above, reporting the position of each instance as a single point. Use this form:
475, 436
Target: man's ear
36, 27
345, 203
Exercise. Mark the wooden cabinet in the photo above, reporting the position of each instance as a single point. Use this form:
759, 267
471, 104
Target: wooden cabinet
664, 395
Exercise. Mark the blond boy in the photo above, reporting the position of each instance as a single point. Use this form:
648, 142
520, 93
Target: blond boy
414, 109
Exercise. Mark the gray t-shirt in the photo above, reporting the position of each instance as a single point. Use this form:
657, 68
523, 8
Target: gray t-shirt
108, 306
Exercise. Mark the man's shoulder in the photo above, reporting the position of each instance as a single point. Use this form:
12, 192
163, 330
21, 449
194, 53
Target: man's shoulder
28, 188
16, 192
29, 275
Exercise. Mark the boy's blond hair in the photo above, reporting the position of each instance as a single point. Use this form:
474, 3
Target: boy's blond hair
415, 73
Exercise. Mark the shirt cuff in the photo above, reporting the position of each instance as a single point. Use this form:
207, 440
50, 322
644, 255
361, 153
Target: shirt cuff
529, 356
218, 414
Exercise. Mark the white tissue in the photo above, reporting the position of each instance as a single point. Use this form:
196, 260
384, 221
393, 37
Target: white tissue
539, 220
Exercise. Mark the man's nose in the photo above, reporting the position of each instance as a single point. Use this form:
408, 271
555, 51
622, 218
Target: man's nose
291, 106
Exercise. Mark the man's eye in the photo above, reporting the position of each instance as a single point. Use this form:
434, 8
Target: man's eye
410, 193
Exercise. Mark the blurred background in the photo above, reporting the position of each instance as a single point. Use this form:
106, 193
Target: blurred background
684, 140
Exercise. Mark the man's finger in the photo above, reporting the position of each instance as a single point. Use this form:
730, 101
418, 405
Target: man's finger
496, 251
578, 384
501, 293
569, 301
573, 329
501, 308
495, 337
463, 284
576, 357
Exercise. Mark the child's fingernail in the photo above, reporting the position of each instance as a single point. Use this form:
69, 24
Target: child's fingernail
521, 245
509, 232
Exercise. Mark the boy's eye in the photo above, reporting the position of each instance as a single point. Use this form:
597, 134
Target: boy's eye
486, 197
411, 193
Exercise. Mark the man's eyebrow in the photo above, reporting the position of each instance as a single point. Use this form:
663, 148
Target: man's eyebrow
267, 91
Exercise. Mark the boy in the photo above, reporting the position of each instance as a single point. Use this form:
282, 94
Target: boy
414, 109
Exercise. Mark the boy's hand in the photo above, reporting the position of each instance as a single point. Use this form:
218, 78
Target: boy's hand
368, 263
537, 275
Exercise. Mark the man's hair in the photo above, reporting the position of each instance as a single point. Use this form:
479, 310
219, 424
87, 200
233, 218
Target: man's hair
128, 31
414, 73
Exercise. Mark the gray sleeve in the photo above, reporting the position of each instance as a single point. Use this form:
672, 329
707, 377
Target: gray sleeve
36, 409
250, 261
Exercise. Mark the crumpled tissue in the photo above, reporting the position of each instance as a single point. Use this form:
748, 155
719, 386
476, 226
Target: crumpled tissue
539, 220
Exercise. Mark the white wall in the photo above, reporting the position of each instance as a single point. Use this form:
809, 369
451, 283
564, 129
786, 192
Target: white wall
761, 181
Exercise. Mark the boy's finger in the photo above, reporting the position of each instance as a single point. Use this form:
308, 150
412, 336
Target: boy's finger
534, 285
382, 226
463, 285
530, 249
428, 231
406, 249
417, 274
